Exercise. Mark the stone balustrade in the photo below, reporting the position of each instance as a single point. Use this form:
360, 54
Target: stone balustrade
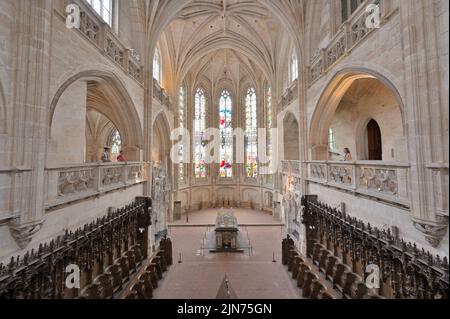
160, 94
285, 167
289, 96
100, 34
381, 180
351, 34
293, 168
67, 184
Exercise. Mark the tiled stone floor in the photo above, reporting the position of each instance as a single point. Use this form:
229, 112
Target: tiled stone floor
251, 277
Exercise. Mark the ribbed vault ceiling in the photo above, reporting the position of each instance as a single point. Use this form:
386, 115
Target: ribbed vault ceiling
207, 33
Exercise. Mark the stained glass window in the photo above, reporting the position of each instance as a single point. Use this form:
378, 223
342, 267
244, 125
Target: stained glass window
294, 66
251, 134
116, 144
181, 124
103, 8
226, 133
157, 66
199, 131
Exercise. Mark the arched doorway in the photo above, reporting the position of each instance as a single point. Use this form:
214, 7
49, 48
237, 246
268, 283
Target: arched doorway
374, 143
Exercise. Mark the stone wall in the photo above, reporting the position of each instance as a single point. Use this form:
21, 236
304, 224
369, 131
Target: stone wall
6, 58
75, 56
67, 145
193, 198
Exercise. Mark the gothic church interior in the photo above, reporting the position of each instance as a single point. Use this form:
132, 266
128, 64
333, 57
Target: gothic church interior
224, 149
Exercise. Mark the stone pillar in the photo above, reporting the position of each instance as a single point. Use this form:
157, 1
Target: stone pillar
303, 123
31, 67
277, 211
177, 211
426, 114
69, 119
320, 153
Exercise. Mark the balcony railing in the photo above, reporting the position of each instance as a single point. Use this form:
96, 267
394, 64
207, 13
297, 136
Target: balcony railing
100, 34
351, 33
380, 180
289, 96
73, 183
160, 94
292, 168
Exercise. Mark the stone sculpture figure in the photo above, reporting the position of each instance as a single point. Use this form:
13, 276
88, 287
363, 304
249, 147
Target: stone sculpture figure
161, 189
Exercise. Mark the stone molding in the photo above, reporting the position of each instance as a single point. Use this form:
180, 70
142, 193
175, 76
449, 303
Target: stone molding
23, 233
434, 232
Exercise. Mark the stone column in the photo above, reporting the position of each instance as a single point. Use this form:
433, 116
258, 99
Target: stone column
31, 67
426, 113
303, 123
148, 129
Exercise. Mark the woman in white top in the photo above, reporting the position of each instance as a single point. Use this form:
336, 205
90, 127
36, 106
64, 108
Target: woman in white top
347, 155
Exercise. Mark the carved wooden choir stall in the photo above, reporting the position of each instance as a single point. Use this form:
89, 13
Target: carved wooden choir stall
340, 250
110, 254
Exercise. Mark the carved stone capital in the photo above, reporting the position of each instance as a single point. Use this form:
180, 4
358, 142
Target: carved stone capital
23, 233
434, 231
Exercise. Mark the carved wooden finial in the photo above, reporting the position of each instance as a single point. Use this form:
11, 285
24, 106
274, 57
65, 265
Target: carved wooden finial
445, 263
11, 263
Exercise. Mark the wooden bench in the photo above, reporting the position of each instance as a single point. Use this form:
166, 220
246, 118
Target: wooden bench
146, 280
124, 268
151, 269
307, 288
114, 272
105, 284
317, 290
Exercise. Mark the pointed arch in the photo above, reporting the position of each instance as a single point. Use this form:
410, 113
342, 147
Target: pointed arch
126, 117
329, 101
161, 15
218, 41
